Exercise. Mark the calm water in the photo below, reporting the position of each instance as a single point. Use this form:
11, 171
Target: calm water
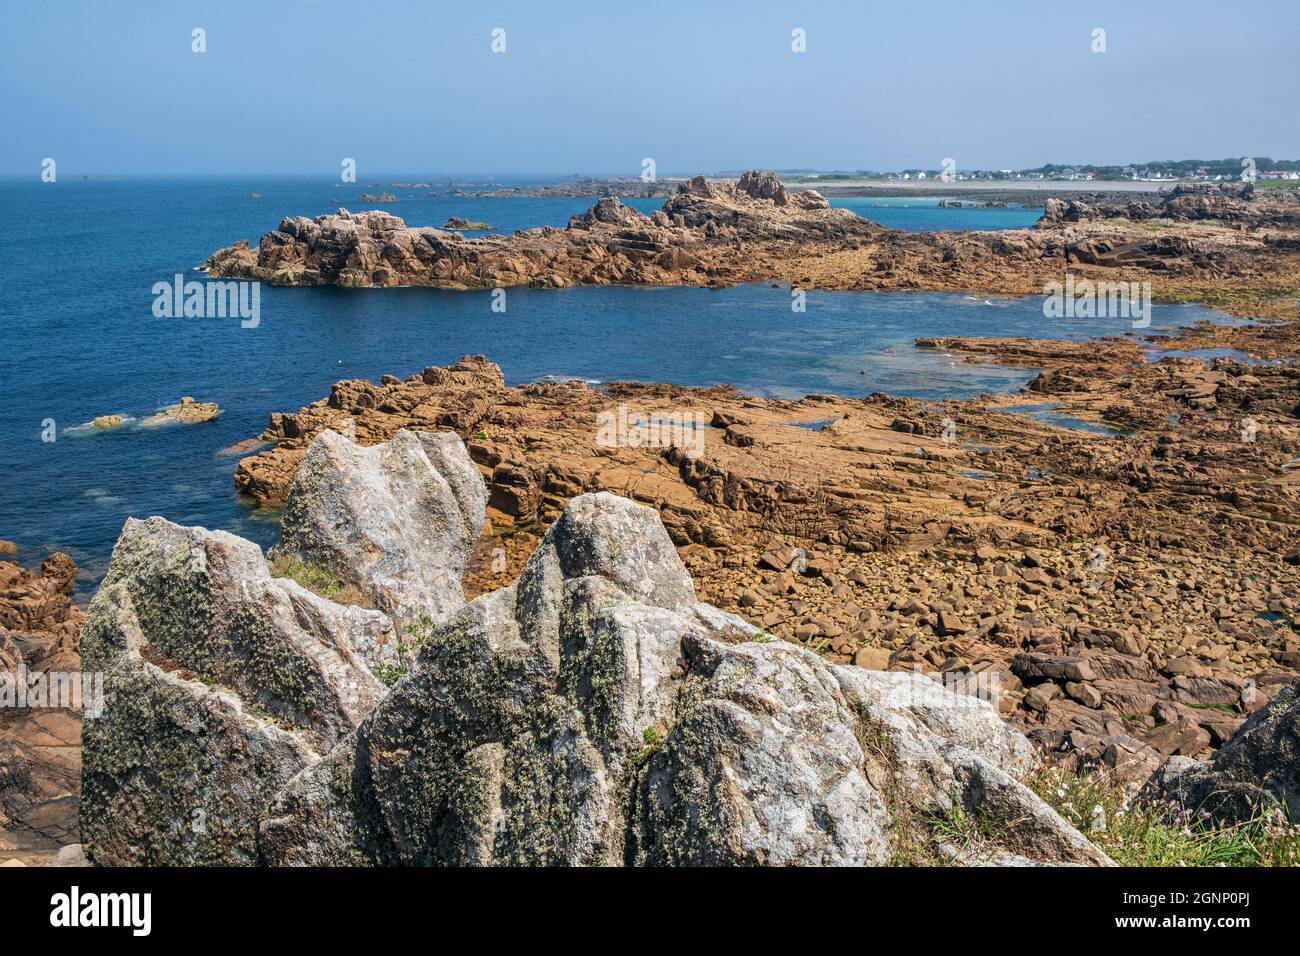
917, 214
78, 260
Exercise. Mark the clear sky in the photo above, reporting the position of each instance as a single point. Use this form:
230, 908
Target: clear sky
413, 87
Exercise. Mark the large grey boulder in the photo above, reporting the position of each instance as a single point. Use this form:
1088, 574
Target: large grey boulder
398, 520
513, 738
1257, 770
221, 682
764, 768
594, 713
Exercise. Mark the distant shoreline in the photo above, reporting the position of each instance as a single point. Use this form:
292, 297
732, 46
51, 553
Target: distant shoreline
997, 185
1032, 192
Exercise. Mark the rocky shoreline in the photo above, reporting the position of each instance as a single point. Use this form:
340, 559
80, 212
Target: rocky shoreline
1126, 613
584, 714
1009, 547
591, 711
40, 747
535, 643
756, 230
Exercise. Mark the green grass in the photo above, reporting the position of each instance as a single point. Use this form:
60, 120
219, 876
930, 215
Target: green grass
318, 580
416, 636
654, 737
1131, 833
962, 830
419, 633
390, 674
1144, 834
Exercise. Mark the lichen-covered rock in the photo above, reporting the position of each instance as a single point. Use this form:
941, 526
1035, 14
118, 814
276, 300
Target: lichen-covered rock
1255, 771
565, 669
397, 520
221, 682
593, 712
764, 770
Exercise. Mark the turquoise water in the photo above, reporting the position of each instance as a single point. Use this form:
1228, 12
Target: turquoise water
78, 260
917, 214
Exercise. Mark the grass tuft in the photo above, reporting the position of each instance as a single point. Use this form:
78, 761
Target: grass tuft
319, 580
1137, 833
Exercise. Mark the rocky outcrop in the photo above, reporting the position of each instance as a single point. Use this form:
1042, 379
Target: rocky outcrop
459, 222
591, 712
872, 538
187, 410
720, 233
39, 745
609, 243
36, 611
396, 520
601, 187
1257, 771
610, 211
1224, 203
221, 683
594, 713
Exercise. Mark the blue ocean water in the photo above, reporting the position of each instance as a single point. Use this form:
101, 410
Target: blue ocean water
918, 213
79, 258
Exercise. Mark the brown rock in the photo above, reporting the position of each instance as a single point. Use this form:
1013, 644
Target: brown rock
872, 658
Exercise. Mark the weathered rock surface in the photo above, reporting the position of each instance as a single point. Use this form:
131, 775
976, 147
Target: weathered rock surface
1186, 202
39, 746
611, 243
713, 234
398, 520
221, 682
187, 410
459, 222
36, 611
1256, 771
593, 712
873, 538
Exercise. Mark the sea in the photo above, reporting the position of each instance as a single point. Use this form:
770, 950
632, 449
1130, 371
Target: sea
79, 259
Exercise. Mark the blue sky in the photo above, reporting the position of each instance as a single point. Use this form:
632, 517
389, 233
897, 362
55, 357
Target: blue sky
292, 86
